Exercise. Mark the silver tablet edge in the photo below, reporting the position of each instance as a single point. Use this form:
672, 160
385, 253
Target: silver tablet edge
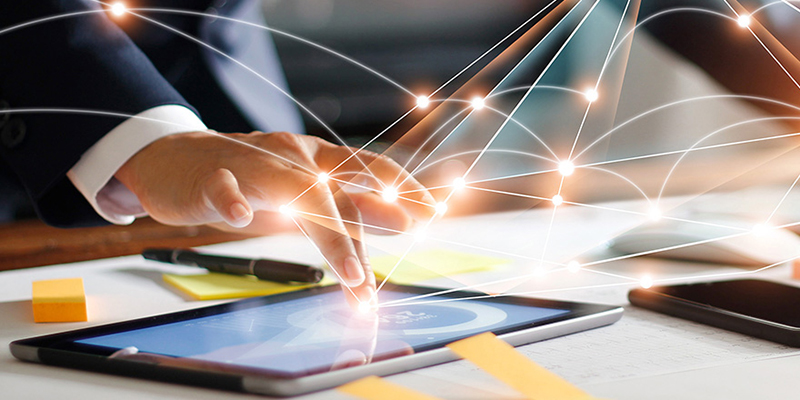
292, 387
25, 353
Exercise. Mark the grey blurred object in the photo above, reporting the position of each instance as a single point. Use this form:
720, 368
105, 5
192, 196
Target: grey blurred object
418, 43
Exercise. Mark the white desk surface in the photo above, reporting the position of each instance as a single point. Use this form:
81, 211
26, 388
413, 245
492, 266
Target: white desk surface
644, 356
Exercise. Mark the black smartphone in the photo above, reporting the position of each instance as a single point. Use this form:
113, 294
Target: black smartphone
763, 309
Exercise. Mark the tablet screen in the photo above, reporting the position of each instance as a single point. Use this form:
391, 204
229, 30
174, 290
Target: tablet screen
318, 332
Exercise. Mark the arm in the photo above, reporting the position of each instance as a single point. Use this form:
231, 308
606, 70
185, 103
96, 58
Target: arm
79, 63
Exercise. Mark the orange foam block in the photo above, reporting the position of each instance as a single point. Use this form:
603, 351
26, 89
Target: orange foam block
59, 300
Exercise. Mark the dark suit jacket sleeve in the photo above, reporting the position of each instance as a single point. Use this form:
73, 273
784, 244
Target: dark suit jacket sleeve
82, 62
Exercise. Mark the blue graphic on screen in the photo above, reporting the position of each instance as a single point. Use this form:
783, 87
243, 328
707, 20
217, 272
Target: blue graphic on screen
310, 333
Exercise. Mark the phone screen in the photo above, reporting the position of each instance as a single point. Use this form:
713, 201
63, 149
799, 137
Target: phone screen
765, 300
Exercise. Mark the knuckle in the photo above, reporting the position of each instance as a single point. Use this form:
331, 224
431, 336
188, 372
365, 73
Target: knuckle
320, 141
220, 175
285, 142
285, 138
337, 241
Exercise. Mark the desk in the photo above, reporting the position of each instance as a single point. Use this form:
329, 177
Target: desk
644, 356
31, 243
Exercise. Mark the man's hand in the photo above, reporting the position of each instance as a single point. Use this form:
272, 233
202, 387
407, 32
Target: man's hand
238, 181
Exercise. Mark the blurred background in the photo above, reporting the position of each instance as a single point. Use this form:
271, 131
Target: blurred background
418, 43
680, 54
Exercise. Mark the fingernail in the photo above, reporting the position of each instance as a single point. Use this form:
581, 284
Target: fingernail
354, 273
239, 212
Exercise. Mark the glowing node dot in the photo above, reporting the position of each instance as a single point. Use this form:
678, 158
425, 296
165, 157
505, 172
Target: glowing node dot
646, 282
323, 177
591, 95
441, 208
759, 229
557, 200
459, 183
478, 103
420, 236
389, 194
566, 168
423, 101
573, 266
743, 21
654, 214
285, 210
118, 9
364, 307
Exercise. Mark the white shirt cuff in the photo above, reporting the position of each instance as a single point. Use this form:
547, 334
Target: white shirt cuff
93, 175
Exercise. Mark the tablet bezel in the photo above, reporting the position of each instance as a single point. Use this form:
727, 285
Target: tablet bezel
61, 349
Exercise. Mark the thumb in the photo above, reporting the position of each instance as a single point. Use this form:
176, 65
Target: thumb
222, 194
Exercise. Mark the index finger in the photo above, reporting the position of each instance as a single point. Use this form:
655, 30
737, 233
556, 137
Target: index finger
323, 224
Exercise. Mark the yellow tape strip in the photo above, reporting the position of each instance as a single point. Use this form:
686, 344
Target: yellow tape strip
502, 361
375, 388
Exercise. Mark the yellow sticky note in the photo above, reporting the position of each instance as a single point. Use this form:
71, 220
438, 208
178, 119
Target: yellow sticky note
502, 361
375, 388
430, 264
216, 286
59, 300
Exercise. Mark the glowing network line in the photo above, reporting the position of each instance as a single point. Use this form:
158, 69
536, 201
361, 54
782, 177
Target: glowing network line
502, 80
539, 87
494, 47
283, 92
41, 110
591, 96
49, 19
452, 132
666, 12
689, 244
734, 125
541, 75
431, 238
471, 152
118, 9
459, 183
647, 156
788, 3
422, 164
644, 281
681, 102
648, 214
353, 61
780, 203
527, 93
239, 63
479, 106
338, 276
744, 22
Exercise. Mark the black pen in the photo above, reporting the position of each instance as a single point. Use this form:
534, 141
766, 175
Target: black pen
269, 270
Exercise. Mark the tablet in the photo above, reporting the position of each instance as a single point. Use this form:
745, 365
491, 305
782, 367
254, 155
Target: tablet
308, 340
